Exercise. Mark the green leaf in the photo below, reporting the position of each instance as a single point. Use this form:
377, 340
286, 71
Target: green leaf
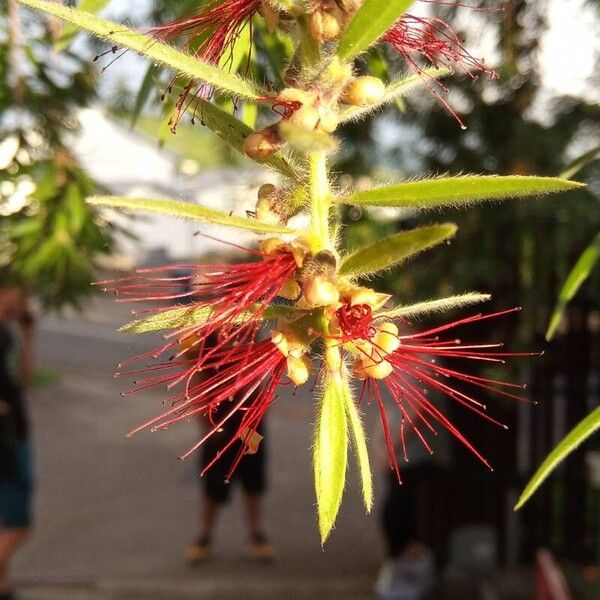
233, 132
458, 191
580, 272
143, 93
428, 307
174, 318
359, 442
121, 36
394, 249
184, 316
394, 92
70, 31
330, 453
369, 23
574, 438
187, 210
579, 163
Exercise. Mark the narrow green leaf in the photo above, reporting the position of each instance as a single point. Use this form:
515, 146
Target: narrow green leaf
458, 191
581, 161
428, 307
184, 316
330, 453
143, 94
394, 249
233, 132
579, 273
187, 210
120, 35
574, 438
70, 31
394, 92
359, 442
369, 23
174, 318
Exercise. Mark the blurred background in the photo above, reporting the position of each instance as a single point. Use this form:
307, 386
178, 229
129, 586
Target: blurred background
114, 516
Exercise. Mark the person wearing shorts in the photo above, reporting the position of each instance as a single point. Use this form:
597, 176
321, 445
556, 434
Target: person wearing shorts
216, 489
16, 482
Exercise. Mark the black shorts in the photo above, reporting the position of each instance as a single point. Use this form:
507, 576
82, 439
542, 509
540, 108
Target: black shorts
251, 471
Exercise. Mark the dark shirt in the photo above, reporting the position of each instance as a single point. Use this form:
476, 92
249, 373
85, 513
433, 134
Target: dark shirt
11, 392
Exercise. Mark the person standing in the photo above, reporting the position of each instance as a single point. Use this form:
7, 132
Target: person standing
15, 453
250, 473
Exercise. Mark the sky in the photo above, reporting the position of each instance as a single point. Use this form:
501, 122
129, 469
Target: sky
570, 49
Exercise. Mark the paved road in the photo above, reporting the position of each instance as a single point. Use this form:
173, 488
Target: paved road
114, 515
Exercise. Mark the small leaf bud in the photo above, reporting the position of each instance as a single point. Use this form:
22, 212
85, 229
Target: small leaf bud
261, 145
363, 91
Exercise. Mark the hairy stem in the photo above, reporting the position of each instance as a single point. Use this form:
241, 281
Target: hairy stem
320, 200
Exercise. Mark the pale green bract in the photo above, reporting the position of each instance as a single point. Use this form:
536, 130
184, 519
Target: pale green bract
331, 452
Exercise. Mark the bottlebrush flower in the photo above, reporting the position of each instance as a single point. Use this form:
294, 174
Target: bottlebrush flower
406, 364
228, 300
433, 41
241, 385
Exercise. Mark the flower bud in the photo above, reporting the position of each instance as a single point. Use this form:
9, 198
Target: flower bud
320, 291
266, 190
271, 245
290, 290
281, 341
363, 91
298, 369
261, 145
326, 25
386, 339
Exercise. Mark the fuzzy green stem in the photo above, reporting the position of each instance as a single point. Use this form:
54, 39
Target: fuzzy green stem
320, 199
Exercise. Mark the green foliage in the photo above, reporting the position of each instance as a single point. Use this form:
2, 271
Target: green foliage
390, 251
574, 438
359, 443
580, 272
187, 210
371, 21
458, 191
49, 238
429, 307
331, 452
